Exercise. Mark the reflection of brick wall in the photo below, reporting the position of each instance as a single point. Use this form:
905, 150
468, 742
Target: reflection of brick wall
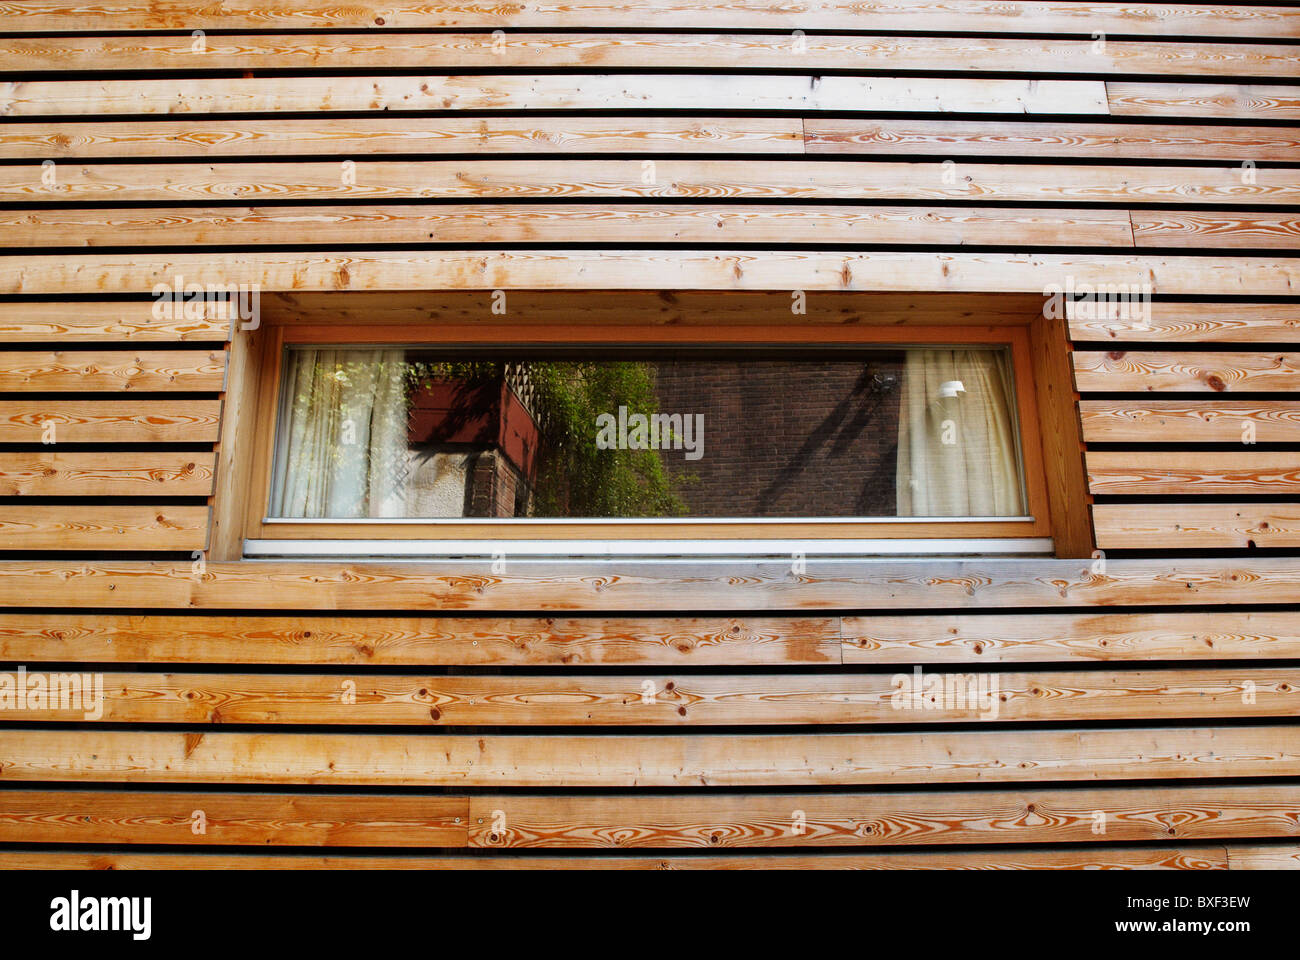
787, 438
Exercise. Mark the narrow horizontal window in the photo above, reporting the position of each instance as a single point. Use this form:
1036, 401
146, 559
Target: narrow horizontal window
610, 433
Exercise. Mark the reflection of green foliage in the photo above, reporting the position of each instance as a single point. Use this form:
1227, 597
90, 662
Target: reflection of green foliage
574, 477
422, 372
577, 478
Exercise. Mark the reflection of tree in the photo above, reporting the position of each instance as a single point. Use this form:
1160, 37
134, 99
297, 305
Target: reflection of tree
573, 477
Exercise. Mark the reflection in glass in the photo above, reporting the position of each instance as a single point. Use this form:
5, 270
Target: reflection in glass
414, 433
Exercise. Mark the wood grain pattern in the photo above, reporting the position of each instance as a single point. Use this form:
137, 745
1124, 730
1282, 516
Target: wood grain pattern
1209, 526
521, 92
86, 474
215, 136
1091, 141
671, 179
1195, 857
682, 700
109, 421
1198, 100
1271, 857
1190, 421
1059, 437
562, 223
420, 641
1265, 231
1190, 322
1152, 472
434, 51
548, 587
249, 365
1172, 815
1071, 637
1132, 370
63, 371
107, 320
925, 271
252, 819
670, 641
657, 313
102, 527
966, 16
697, 760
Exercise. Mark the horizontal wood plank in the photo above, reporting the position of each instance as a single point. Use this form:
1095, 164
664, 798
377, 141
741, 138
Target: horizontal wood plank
1190, 421
669, 641
721, 270
1191, 322
1070, 637
114, 321
1270, 857
213, 136
486, 223
1155, 472
95, 755
470, 585
1193, 857
118, 473
667, 179
64, 371
252, 819
520, 92
1203, 101
970, 16
102, 527
671, 700
1089, 141
1171, 815
1134, 370
661, 312
1264, 231
418, 641
109, 421
592, 51
562, 223
1206, 526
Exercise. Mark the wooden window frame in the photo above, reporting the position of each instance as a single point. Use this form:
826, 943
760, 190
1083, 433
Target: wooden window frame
265, 369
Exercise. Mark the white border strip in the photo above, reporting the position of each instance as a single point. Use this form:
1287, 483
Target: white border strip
636, 549
601, 521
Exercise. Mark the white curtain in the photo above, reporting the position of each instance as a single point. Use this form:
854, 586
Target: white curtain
957, 454
341, 448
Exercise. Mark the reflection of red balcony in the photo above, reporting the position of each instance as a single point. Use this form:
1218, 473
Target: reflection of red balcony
485, 414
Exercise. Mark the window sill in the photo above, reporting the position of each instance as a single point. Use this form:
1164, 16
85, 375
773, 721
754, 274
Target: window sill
730, 550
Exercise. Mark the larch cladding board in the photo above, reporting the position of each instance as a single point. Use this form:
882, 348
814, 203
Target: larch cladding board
904, 163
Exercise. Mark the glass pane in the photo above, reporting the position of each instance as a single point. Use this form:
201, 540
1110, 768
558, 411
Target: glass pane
394, 432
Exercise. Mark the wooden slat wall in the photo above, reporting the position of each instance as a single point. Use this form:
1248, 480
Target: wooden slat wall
903, 162
1187, 496
108, 499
